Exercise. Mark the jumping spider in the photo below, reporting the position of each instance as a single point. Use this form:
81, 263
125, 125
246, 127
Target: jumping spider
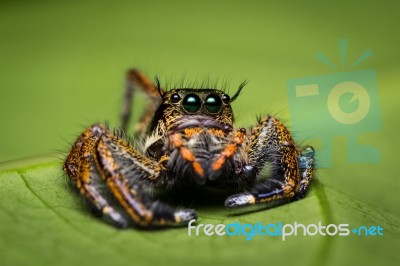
190, 139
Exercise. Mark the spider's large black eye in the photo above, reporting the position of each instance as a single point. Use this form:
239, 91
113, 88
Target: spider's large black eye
192, 103
175, 97
226, 99
213, 103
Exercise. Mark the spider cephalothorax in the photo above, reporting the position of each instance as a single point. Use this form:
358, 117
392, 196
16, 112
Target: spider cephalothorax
189, 104
199, 123
190, 139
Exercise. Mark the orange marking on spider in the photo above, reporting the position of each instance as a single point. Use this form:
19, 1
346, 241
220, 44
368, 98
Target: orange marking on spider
229, 150
218, 163
176, 140
216, 132
189, 132
186, 154
140, 213
198, 169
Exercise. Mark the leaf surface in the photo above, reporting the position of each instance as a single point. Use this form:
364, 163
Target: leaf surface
43, 222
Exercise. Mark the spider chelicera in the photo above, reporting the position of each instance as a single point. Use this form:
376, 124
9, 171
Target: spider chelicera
189, 141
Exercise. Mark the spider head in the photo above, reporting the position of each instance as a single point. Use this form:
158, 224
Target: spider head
183, 108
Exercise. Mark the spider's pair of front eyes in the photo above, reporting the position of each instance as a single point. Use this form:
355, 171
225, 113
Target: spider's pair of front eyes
192, 102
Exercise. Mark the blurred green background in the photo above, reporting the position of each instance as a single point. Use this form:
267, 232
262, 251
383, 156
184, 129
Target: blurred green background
62, 66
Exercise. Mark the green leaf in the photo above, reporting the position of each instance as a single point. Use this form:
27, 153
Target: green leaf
44, 223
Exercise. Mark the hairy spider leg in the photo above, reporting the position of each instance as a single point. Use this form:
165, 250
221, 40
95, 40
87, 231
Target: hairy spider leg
271, 142
306, 165
228, 152
230, 149
124, 171
136, 79
80, 167
177, 143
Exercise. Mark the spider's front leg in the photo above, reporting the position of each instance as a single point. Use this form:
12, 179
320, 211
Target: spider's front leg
291, 169
99, 161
